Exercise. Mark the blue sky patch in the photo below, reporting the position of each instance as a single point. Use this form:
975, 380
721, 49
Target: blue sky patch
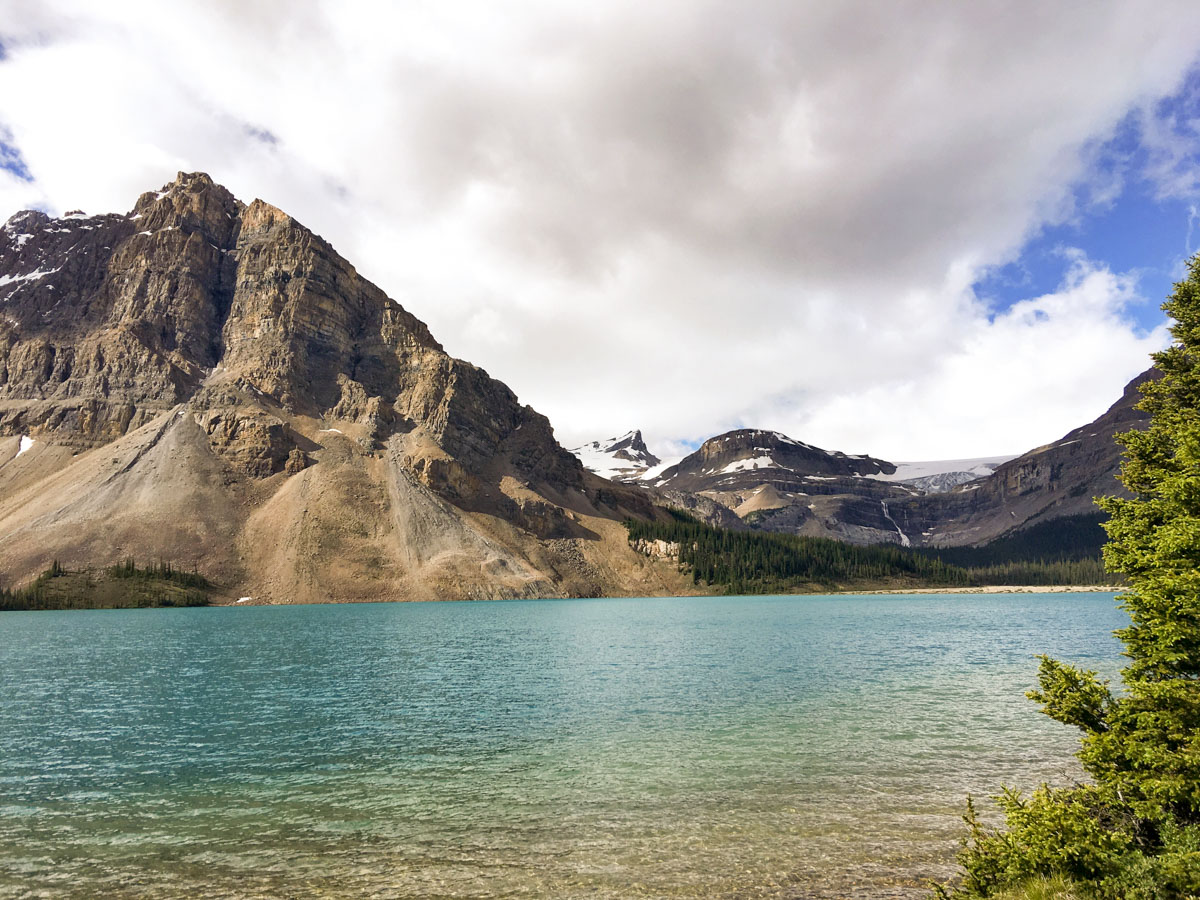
1137, 234
12, 161
1137, 213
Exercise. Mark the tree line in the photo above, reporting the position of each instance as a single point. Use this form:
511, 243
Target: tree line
125, 585
741, 562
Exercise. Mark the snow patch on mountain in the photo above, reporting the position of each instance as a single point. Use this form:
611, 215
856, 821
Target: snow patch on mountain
654, 473
624, 458
757, 462
32, 276
936, 476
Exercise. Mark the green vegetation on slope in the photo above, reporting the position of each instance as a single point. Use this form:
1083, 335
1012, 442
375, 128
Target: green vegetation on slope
1134, 834
117, 587
761, 562
1061, 551
1065, 539
741, 562
1053, 888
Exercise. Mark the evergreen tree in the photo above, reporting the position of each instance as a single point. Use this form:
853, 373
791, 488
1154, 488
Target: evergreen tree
1150, 747
1135, 833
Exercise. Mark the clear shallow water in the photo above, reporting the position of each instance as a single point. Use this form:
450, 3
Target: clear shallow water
726, 747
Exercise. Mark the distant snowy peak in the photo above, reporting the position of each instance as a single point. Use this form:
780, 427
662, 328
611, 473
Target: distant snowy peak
624, 458
630, 446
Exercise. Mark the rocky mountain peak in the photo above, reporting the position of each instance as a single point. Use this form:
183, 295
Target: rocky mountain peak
25, 222
632, 447
196, 297
261, 216
750, 449
211, 382
193, 203
623, 458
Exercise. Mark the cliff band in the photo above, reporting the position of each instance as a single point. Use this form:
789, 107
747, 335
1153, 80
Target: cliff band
210, 383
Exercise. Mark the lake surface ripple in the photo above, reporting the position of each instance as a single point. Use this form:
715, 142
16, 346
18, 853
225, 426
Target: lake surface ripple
807, 747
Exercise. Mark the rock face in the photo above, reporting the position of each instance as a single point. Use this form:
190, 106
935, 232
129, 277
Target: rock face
211, 383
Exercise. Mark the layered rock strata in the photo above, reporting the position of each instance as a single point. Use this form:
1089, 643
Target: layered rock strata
209, 382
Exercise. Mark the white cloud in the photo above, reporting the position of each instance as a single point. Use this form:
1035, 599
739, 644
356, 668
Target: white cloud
1019, 380
676, 216
17, 194
1172, 140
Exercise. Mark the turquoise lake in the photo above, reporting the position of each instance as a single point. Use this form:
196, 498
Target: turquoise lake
806, 747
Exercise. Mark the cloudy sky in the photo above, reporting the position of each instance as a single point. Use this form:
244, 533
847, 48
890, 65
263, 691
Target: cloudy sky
919, 230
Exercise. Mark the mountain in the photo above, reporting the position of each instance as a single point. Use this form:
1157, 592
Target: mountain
776, 483
736, 458
624, 458
1054, 481
210, 383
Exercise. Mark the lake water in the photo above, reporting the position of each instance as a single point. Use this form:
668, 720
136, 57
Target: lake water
808, 747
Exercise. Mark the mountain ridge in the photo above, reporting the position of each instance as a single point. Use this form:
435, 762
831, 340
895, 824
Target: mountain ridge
208, 381
773, 482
